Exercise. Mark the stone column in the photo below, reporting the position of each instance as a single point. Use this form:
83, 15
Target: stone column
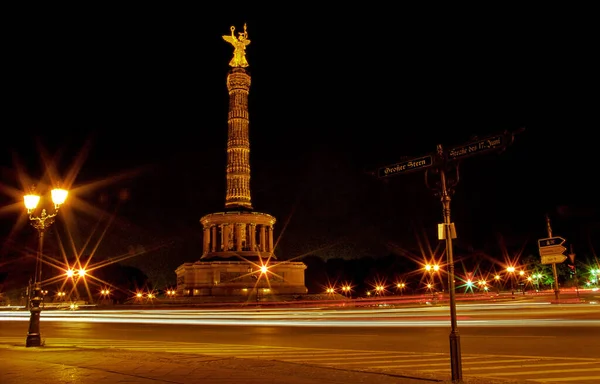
262, 238
206, 241
238, 141
252, 236
225, 231
214, 238
271, 239
238, 237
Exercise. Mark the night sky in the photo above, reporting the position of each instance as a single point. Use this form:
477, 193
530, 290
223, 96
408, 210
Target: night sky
140, 100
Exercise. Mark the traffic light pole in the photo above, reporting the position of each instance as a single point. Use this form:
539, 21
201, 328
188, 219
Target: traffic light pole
554, 273
572, 257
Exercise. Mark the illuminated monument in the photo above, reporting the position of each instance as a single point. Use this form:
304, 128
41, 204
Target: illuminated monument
238, 256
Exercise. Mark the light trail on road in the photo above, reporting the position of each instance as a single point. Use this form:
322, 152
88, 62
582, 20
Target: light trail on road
477, 315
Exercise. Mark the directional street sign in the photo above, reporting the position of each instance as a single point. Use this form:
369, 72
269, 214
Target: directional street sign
406, 166
553, 259
476, 147
550, 241
552, 250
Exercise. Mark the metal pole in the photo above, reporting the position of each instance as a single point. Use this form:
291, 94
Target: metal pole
455, 357
572, 257
34, 338
554, 273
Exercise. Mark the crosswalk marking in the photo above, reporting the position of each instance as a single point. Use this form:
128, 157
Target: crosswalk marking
474, 365
465, 361
571, 379
444, 361
467, 367
340, 359
538, 372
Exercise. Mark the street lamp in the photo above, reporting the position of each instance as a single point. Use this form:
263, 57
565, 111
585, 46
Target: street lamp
511, 270
401, 287
434, 269
346, 289
497, 279
41, 223
521, 282
262, 270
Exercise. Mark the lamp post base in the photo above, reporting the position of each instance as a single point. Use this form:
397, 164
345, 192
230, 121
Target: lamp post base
34, 338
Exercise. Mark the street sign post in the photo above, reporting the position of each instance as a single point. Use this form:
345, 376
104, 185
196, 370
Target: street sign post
553, 259
406, 166
443, 162
551, 250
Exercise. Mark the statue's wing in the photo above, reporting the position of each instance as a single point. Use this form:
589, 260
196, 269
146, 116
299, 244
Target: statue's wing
229, 39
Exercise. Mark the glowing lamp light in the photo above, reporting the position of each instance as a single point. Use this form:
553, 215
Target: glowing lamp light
263, 269
70, 273
81, 272
31, 201
59, 196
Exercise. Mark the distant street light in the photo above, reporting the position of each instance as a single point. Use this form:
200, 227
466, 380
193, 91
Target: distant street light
511, 271
262, 270
401, 287
41, 223
346, 289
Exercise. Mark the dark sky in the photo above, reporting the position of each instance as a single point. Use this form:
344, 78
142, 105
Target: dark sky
334, 95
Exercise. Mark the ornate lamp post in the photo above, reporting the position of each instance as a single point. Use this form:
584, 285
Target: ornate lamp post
41, 223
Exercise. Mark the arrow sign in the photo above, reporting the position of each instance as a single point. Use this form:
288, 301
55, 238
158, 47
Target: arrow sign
406, 166
476, 147
552, 250
553, 259
550, 241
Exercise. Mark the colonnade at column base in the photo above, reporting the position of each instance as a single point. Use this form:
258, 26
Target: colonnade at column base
240, 278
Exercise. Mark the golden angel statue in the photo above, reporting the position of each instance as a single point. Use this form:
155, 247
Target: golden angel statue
239, 44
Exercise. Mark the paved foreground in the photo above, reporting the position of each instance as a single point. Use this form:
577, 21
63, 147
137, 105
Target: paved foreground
54, 365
